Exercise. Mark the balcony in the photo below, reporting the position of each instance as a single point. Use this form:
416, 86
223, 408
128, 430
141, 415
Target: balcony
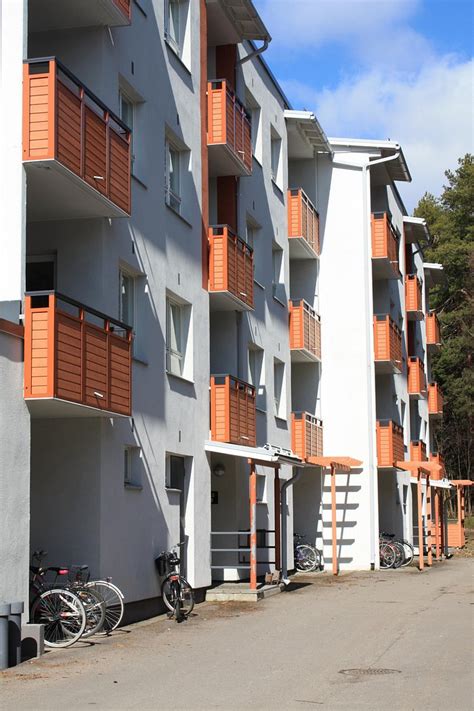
303, 226
418, 451
230, 271
433, 333
435, 400
385, 247
233, 411
413, 298
77, 360
438, 459
390, 448
305, 332
306, 435
228, 132
387, 345
416, 378
76, 152
46, 15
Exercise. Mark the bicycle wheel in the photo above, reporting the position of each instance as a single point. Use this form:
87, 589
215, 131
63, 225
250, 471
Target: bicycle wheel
186, 595
408, 551
306, 559
399, 554
95, 609
113, 599
63, 616
387, 555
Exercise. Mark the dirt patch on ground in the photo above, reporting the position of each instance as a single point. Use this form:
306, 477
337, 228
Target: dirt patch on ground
468, 550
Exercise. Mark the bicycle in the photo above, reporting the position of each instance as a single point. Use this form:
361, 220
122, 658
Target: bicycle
60, 611
307, 557
404, 551
177, 593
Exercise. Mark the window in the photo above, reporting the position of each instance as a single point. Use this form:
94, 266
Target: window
127, 114
127, 298
261, 489
256, 374
41, 273
176, 27
252, 237
278, 280
173, 177
175, 472
255, 118
178, 328
275, 155
279, 388
132, 465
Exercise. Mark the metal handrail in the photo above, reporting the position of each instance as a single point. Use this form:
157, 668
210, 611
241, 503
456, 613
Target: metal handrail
79, 305
81, 85
231, 233
303, 193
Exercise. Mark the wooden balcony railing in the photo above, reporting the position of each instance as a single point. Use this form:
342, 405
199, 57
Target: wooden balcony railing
305, 330
387, 341
390, 448
230, 264
418, 451
438, 459
303, 219
233, 414
306, 435
385, 245
65, 122
433, 333
413, 296
76, 354
416, 377
228, 123
435, 400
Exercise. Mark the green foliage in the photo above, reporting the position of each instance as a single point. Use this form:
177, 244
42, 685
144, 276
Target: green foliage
450, 219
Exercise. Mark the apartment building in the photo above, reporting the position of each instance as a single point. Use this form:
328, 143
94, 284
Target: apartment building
195, 287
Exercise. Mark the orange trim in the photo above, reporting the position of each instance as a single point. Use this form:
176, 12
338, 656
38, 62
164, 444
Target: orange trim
13, 329
385, 243
421, 564
253, 527
335, 568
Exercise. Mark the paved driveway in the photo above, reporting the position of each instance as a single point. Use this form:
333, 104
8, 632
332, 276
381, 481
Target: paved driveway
392, 640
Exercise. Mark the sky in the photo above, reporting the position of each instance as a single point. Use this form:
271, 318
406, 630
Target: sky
382, 69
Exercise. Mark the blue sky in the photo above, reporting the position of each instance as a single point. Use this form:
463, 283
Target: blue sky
399, 69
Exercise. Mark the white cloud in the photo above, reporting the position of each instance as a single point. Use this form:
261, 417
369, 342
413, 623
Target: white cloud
430, 113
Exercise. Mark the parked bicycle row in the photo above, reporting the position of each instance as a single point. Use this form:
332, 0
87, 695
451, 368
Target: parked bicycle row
395, 552
71, 607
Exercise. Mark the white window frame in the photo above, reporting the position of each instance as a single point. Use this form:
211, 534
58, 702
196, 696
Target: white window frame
173, 197
131, 475
275, 157
258, 382
183, 354
125, 97
179, 44
279, 389
125, 274
261, 488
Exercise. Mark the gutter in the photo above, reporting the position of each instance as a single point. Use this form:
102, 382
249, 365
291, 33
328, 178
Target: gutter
256, 51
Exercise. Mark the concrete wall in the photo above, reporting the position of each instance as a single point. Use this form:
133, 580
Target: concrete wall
14, 474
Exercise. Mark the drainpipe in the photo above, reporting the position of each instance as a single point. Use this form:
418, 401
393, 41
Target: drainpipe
284, 546
256, 51
369, 336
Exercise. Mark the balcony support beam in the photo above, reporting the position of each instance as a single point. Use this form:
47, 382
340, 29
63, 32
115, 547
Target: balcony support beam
276, 504
253, 525
421, 562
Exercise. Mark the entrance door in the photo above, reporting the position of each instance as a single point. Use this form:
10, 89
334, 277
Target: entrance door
177, 481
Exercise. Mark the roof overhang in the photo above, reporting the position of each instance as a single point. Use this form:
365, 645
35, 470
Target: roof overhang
416, 229
434, 483
419, 465
268, 454
434, 274
305, 135
397, 169
461, 482
232, 21
337, 463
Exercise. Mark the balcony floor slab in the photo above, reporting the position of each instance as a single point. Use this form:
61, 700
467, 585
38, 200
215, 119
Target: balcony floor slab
302, 355
60, 15
384, 269
387, 367
300, 249
226, 301
56, 193
223, 161
54, 408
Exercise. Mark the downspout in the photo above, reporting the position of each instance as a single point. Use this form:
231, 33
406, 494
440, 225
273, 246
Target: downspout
284, 529
256, 52
369, 335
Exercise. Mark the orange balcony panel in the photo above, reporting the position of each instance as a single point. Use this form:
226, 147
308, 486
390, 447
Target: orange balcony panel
387, 345
390, 448
306, 435
385, 247
416, 377
305, 332
77, 360
413, 298
233, 413
435, 400
230, 271
418, 451
439, 459
228, 132
60, 15
456, 535
75, 150
433, 333
303, 226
